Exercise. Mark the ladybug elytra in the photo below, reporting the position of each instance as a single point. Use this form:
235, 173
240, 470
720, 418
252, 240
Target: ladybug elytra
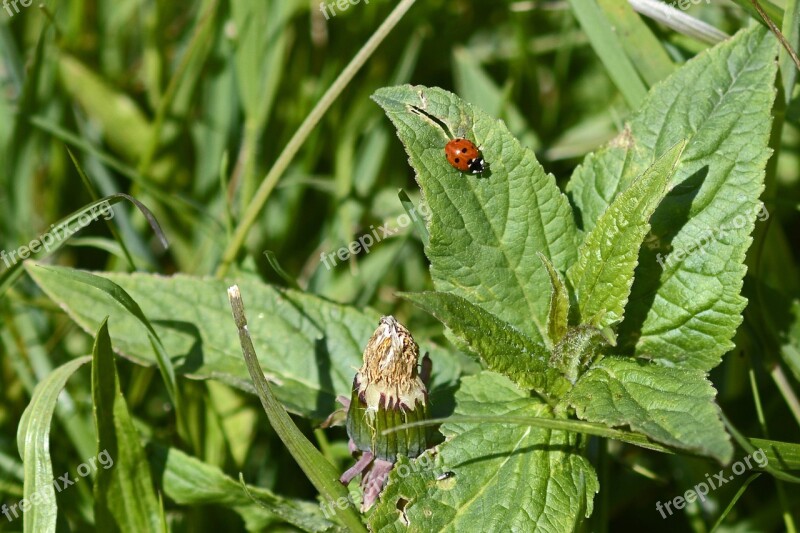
463, 155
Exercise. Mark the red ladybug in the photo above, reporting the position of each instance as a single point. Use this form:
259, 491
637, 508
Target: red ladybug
465, 156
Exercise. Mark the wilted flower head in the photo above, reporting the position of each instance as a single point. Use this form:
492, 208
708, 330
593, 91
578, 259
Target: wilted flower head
389, 375
387, 392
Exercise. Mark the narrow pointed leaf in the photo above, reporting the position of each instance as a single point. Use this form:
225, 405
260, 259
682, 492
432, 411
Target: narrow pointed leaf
315, 466
558, 316
33, 441
603, 275
124, 498
499, 345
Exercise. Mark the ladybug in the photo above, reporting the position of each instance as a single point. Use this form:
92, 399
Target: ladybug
463, 155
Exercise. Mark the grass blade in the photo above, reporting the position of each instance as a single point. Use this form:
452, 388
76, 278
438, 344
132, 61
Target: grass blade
318, 470
123, 490
608, 46
129, 305
287, 155
640, 44
33, 441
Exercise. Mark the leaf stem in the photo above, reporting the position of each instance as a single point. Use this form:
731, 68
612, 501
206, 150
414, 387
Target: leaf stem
774, 29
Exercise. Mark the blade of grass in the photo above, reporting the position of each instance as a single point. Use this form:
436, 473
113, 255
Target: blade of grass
287, 155
733, 501
791, 30
765, 430
124, 495
120, 296
576, 426
678, 21
416, 217
33, 441
10, 275
276, 266
643, 48
773, 12
774, 29
28, 333
785, 454
318, 470
607, 45
93, 193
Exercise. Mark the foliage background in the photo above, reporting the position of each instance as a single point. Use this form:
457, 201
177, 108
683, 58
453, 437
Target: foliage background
237, 78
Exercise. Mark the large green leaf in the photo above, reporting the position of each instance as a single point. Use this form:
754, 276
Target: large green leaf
674, 407
308, 347
491, 477
603, 274
484, 230
33, 441
685, 303
124, 499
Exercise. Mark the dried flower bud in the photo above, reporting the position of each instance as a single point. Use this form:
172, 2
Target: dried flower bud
388, 392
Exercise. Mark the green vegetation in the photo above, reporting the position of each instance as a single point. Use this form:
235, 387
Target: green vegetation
611, 309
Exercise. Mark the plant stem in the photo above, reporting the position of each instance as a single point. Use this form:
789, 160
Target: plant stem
319, 471
287, 155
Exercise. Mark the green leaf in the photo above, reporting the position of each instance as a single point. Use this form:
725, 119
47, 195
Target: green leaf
491, 477
187, 480
672, 406
71, 224
558, 316
685, 305
124, 499
484, 230
499, 345
307, 346
603, 275
33, 441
